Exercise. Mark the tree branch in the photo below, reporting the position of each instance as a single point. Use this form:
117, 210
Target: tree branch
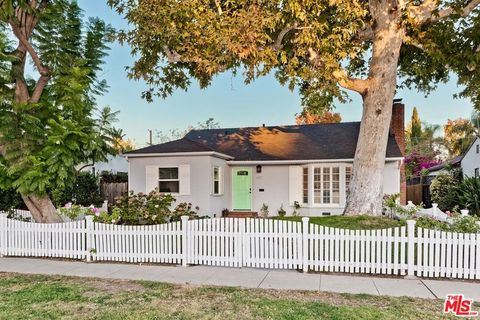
278, 42
341, 76
365, 34
39, 87
172, 56
43, 70
426, 12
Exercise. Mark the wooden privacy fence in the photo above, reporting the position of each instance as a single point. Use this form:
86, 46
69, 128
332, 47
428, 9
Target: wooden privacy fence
112, 190
258, 243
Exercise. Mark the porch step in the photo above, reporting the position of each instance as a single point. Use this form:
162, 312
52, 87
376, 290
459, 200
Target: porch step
242, 214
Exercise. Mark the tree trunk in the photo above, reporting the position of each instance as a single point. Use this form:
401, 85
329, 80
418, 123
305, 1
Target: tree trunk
41, 208
366, 189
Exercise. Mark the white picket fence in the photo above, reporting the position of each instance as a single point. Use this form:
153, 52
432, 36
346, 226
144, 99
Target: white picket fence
257, 243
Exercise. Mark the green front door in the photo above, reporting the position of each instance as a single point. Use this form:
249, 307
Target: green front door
242, 189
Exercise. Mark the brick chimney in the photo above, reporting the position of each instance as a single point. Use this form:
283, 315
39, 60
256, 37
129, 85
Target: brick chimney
397, 128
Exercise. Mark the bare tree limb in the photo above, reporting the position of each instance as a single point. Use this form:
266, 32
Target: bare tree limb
172, 56
365, 34
426, 12
43, 70
278, 41
39, 87
341, 76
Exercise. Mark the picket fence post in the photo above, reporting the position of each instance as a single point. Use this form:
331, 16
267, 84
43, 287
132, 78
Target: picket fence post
184, 240
89, 234
305, 230
411, 248
3, 234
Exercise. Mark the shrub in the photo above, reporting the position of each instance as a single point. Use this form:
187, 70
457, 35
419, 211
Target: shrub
462, 224
10, 199
145, 209
108, 177
264, 211
85, 191
470, 195
281, 212
444, 191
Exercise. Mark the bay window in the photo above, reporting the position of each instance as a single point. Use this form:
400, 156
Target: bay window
326, 185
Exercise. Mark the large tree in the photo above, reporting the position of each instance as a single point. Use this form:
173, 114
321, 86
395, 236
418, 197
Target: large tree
47, 126
459, 135
324, 47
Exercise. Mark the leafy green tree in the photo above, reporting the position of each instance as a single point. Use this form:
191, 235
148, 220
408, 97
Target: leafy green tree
415, 128
175, 134
459, 135
325, 48
47, 125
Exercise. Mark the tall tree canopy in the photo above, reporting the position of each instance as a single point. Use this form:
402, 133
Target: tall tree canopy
459, 135
307, 117
47, 126
323, 47
415, 128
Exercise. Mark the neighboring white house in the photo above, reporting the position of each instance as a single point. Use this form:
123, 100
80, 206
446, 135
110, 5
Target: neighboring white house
471, 160
240, 169
114, 164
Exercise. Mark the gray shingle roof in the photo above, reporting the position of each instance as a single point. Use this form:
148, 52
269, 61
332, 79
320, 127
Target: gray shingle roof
297, 142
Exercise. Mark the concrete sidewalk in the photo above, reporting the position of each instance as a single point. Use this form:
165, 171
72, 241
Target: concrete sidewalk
247, 278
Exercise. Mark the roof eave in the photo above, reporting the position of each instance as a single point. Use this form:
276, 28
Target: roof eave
180, 154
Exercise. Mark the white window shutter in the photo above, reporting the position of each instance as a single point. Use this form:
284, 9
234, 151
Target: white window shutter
151, 178
295, 188
184, 176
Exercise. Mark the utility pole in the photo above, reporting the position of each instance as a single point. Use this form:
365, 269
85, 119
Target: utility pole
150, 137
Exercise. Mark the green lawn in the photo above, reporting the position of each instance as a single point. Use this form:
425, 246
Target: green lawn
55, 297
355, 222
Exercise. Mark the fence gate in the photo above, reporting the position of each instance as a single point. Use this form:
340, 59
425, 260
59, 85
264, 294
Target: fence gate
214, 242
273, 244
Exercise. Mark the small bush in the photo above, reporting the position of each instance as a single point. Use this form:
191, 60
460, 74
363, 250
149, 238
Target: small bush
85, 191
470, 195
146, 209
264, 211
10, 199
108, 177
281, 212
462, 224
444, 191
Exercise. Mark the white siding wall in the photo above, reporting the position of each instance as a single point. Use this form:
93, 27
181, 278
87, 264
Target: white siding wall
273, 181
471, 160
200, 193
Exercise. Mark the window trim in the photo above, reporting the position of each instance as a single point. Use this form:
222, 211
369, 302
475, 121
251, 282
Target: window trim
220, 181
167, 180
330, 187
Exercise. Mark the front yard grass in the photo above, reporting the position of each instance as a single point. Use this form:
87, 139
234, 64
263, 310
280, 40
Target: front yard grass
362, 222
56, 297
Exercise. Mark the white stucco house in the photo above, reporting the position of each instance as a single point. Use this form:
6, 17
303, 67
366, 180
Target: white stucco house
471, 160
240, 169
468, 162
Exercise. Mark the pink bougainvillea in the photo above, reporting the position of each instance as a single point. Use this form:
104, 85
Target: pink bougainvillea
416, 163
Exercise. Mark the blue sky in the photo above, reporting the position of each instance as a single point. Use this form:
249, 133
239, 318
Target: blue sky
229, 101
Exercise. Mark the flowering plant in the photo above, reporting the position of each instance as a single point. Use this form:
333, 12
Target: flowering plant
73, 211
417, 164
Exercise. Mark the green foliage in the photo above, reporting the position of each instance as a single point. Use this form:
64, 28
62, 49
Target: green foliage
415, 127
444, 191
9, 199
264, 211
199, 39
74, 211
142, 209
281, 212
84, 191
469, 195
108, 177
467, 224
45, 141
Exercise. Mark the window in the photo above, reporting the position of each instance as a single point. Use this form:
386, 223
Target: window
305, 185
348, 178
326, 185
478, 148
168, 180
477, 172
217, 181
